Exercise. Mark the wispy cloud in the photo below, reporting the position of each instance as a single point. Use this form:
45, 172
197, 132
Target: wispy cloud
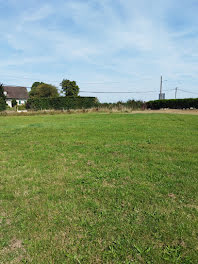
129, 42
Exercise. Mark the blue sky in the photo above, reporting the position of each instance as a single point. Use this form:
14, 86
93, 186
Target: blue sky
105, 45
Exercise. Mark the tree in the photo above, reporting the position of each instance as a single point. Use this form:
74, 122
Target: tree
69, 88
34, 92
35, 84
2, 91
2, 99
43, 90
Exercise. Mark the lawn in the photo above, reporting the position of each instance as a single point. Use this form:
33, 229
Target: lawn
99, 188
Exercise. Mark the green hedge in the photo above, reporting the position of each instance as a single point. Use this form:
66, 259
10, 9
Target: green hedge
2, 104
173, 103
60, 103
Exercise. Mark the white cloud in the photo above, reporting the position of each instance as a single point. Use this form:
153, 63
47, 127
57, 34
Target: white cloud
126, 41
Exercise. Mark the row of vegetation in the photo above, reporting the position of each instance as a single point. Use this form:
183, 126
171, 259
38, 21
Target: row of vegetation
71, 102
47, 96
62, 103
132, 104
44, 90
173, 104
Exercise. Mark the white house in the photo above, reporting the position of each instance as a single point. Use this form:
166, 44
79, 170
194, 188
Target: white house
15, 92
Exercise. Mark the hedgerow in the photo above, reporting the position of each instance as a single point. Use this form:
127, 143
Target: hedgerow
131, 104
60, 103
173, 103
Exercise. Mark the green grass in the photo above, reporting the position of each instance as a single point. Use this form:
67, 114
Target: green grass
99, 188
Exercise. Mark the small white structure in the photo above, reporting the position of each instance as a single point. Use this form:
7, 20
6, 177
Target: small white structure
15, 92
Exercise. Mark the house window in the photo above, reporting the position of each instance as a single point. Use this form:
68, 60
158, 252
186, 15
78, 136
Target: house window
19, 101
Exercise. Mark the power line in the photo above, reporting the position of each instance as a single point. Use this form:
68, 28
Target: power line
108, 92
90, 83
117, 92
142, 92
187, 91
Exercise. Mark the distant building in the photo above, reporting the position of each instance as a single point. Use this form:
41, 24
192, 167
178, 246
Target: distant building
15, 92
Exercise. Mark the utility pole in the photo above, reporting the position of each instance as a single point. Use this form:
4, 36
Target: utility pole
161, 87
161, 95
176, 92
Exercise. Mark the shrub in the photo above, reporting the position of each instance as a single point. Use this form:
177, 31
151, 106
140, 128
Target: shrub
21, 107
173, 103
61, 103
131, 104
2, 98
2, 104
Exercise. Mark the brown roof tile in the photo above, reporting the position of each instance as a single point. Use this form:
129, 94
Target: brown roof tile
16, 92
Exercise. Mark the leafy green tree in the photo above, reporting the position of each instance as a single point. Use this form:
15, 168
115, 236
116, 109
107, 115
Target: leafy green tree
69, 88
43, 90
2, 99
2, 95
34, 91
35, 84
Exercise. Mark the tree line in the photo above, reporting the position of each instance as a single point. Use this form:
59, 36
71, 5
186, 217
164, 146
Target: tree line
44, 90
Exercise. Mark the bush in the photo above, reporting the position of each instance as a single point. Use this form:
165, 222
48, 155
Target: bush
61, 103
21, 107
131, 104
173, 103
2, 104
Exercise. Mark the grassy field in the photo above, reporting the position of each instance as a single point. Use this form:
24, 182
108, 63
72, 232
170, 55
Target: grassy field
99, 188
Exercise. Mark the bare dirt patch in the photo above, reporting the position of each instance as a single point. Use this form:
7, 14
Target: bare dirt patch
146, 111
16, 244
169, 111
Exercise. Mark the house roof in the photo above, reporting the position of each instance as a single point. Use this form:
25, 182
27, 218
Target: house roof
16, 92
